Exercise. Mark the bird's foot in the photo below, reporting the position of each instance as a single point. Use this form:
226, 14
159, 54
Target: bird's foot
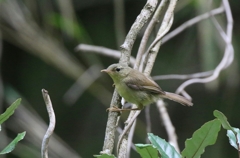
114, 109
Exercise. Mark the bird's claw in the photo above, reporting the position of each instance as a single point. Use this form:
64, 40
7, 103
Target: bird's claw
114, 109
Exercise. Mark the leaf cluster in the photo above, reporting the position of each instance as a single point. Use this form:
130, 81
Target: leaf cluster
3, 118
194, 147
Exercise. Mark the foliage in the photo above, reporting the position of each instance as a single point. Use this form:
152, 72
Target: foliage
195, 146
12, 145
3, 118
147, 150
9, 111
203, 137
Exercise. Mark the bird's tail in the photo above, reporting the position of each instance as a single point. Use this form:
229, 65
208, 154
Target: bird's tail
177, 98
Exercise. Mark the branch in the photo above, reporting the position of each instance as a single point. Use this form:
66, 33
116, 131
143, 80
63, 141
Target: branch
183, 77
165, 26
126, 48
148, 31
172, 137
101, 50
148, 121
155, 46
52, 122
142, 18
191, 22
125, 56
228, 54
123, 140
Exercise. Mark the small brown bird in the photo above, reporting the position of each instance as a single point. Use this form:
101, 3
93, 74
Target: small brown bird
137, 88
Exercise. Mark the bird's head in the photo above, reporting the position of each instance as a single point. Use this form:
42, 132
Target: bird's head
117, 71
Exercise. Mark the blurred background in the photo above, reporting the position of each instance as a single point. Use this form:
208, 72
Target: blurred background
37, 50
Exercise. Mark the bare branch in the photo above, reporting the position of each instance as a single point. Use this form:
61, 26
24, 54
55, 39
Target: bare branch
52, 122
126, 49
130, 137
165, 26
101, 50
142, 18
148, 32
228, 54
191, 22
183, 77
122, 142
155, 46
148, 121
152, 53
119, 130
172, 137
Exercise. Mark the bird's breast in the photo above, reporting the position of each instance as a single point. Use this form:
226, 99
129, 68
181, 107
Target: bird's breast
137, 97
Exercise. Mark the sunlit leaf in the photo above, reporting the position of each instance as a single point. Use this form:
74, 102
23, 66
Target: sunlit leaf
232, 138
9, 111
147, 150
165, 149
203, 137
12, 145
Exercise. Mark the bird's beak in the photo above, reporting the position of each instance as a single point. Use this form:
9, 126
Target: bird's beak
105, 70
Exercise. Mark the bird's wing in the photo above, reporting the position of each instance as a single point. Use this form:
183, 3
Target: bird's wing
142, 83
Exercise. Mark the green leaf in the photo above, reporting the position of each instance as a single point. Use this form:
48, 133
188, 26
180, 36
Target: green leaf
234, 139
9, 111
232, 133
201, 138
147, 150
223, 119
12, 145
104, 156
165, 149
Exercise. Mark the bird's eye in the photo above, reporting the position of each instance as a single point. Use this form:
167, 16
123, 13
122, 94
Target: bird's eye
118, 69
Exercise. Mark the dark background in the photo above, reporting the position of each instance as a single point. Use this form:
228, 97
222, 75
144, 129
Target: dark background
26, 68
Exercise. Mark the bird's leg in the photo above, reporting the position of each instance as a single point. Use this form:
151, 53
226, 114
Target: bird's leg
114, 109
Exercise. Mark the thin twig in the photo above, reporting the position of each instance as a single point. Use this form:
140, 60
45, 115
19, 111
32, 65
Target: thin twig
155, 45
191, 22
165, 26
172, 137
130, 137
86, 48
52, 122
122, 142
228, 54
182, 77
148, 31
119, 130
126, 48
148, 121
152, 53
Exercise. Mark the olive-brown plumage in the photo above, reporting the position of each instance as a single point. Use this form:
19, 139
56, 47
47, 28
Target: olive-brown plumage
137, 88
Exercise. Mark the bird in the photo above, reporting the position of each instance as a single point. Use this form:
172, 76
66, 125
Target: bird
137, 88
